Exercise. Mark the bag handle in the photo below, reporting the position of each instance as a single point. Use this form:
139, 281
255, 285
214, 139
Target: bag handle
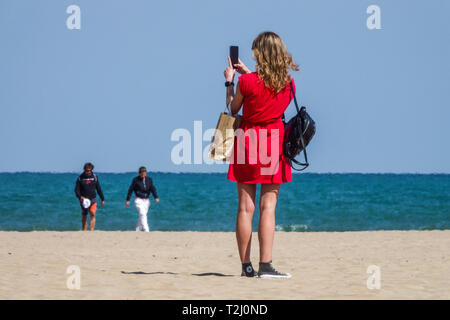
305, 164
227, 109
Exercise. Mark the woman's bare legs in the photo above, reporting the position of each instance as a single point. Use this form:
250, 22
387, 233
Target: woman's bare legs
246, 208
266, 227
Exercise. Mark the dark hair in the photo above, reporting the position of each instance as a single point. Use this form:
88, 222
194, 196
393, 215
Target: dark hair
88, 165
142, 169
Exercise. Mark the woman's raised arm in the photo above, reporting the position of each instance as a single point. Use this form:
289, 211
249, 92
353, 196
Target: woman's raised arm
232, 99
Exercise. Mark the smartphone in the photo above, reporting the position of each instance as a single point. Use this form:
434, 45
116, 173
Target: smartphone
234, 55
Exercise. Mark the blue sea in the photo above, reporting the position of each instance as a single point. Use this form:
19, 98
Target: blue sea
208, 202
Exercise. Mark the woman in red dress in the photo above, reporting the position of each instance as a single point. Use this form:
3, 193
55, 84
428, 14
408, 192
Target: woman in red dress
258, 146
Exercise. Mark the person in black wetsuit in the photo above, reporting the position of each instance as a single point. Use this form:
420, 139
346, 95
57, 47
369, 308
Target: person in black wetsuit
142, 186
86, 188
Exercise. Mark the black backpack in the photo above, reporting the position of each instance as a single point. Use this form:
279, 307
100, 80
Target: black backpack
298, 132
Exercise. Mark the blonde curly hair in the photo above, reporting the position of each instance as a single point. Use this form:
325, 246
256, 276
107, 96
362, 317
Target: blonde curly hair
273, 61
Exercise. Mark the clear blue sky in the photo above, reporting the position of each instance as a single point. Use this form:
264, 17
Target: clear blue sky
113, 92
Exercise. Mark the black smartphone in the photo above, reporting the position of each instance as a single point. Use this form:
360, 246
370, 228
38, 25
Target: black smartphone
234, 55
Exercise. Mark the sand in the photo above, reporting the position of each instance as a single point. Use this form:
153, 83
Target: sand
205, 265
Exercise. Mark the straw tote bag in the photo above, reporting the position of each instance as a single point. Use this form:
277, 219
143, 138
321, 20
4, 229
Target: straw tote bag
222, 142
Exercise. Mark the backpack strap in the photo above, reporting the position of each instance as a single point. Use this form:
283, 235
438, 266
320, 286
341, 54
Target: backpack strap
295, 100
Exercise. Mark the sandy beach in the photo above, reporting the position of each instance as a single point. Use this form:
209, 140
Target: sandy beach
205, 265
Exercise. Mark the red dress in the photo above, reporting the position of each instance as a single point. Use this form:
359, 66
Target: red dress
258, 148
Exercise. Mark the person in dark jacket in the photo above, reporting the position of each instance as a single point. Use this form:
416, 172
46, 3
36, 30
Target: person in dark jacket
142, 186
86, 189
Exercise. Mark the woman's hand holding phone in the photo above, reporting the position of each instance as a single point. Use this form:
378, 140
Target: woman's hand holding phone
229, 71
241, 67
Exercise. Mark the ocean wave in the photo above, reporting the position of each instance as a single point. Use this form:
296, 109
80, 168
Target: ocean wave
291, 227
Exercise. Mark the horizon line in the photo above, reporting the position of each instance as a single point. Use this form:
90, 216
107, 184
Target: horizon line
218, 172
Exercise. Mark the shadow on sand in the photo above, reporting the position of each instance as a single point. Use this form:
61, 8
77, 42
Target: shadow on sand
141, 272
212, 274
206, 274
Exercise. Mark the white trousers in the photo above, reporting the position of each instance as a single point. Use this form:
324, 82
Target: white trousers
142, 206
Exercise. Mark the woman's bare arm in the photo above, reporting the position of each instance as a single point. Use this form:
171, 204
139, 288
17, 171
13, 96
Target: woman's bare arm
234, 100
